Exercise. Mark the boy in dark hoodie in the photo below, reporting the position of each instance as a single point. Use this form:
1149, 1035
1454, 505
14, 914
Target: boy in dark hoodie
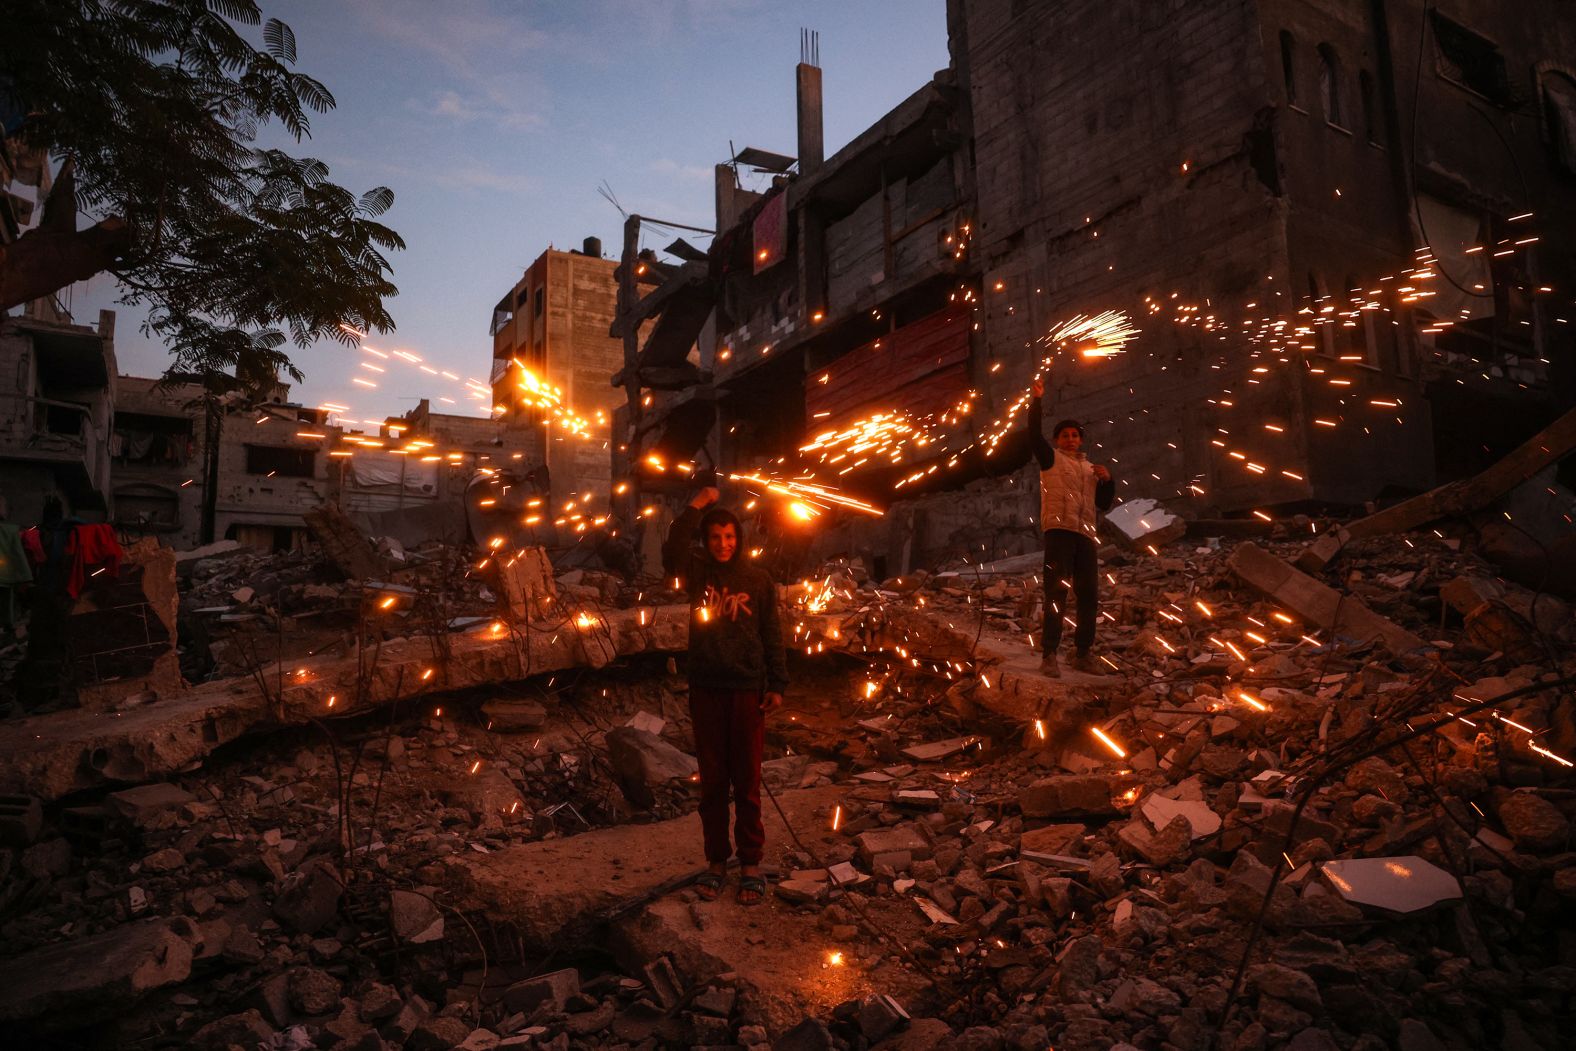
737, 673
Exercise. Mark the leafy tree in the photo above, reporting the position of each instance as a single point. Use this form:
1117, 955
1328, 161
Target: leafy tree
152, 107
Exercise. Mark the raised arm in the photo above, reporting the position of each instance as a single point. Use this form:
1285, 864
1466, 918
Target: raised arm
676, 548
1044, 454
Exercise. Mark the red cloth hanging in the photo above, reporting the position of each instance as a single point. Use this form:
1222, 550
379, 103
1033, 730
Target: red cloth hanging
33, 546
89, 546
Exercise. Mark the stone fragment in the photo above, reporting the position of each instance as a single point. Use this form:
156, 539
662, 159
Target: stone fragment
1285, 983
879, 1017
438, 1034
555, 987
479, 1040
1143, 523
488, 795
641, 760
1533, 822
1371, 810
800, 891
415, 918
514, 716
379, 1002
1161, 848
1375, 775
1051, 839
808, 1035
891, 840
312, 991
246, 1029
1067, 795
70, 984
308, 898
585, 1023
1201, 819
47, 859
1403, 884
167, 860
716, 1000
143, 805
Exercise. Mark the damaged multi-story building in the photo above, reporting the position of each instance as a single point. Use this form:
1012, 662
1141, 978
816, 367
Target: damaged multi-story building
57, 389
554, 322
1342, 229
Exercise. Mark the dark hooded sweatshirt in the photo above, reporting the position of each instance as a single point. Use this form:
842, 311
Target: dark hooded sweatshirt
735, 640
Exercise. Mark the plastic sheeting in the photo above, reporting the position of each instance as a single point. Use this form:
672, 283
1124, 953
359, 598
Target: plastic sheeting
374, 469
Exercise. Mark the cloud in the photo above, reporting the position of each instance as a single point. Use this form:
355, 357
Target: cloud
450, 105
460, 174
480, 53
683, 172
467, 36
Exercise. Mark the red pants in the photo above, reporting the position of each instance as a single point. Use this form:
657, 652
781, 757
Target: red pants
730, 730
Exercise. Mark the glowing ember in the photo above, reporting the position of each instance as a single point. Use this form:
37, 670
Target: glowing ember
1106, 740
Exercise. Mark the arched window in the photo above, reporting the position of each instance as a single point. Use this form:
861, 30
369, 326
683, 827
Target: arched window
1330, 85
1365, 89
1288, 54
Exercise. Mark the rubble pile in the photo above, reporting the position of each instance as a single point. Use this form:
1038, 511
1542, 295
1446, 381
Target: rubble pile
242, 609
1240, 828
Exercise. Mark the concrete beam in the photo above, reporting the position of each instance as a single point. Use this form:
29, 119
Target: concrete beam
52, 755
554, 891
1315, 602
1549, 445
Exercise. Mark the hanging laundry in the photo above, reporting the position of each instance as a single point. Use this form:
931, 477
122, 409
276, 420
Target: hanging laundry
91, 546
33, 546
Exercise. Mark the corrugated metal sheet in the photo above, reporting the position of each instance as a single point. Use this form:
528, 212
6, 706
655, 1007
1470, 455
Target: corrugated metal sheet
920, 368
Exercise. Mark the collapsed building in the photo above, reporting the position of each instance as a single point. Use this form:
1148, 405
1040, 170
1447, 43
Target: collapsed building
1339, 227
407, 787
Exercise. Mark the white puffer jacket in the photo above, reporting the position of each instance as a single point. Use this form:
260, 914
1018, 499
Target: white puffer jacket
1067, 499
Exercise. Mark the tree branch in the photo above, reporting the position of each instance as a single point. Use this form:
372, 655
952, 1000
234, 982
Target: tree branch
45, 261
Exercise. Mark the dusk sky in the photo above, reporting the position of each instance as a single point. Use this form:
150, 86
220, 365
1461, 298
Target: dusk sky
494, 123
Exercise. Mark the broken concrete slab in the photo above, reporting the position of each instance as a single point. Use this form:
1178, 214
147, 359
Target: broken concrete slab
1067, 795
527, 585
552, 887
346, 545
414, 916
904, 838
1404, 884
555, 988
512, 716
76, 982
1317, 602
145, 804
1160, 811
1143, 523
641, 760
62, 752
779, 955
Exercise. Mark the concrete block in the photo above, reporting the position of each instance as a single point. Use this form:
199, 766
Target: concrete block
1144, 523
145, 803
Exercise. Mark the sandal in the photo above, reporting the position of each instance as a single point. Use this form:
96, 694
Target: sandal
752, 885
709, 885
